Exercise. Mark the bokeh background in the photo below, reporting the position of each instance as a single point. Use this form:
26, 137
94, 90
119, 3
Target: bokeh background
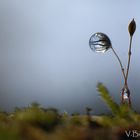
45, 56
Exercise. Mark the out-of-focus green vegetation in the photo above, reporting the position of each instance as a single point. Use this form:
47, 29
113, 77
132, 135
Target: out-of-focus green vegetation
37, 123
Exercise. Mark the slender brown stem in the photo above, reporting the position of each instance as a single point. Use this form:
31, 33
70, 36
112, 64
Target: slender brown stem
122, 99
122, 68
129, 58
127, 72
125, 76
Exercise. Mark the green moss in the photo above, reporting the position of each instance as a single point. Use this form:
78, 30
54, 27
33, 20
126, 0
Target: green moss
37, 123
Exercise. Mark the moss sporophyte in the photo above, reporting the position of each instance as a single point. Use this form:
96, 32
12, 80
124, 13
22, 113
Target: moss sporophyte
100, 42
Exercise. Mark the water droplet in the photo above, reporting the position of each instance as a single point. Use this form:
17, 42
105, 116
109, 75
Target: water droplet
99, 42
126, 94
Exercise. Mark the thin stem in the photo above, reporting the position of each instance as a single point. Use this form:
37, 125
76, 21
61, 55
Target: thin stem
122, 68
129, 58
127, 72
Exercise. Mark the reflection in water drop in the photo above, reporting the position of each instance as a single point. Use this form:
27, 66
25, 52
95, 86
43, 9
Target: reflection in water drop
126, 95
99, 42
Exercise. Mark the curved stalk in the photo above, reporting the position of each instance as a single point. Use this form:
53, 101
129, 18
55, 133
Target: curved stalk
125, 76
122, 68
127, 72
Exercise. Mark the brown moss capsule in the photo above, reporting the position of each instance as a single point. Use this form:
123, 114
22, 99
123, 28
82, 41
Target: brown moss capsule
132, 27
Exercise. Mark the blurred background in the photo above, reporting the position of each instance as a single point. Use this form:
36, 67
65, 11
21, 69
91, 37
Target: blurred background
45, 56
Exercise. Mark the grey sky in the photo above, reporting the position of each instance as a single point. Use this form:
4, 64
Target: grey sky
45, 57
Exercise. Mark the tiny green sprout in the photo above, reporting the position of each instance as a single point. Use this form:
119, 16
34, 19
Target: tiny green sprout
132, 27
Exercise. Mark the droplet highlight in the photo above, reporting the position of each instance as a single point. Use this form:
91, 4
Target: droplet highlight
126, 94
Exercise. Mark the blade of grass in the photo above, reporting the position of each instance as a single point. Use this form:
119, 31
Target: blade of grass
104, 93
